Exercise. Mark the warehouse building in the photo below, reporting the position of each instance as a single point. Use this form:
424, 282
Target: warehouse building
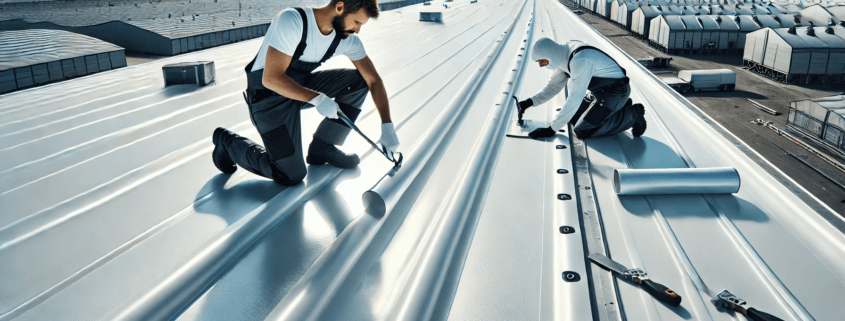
821, 119
797, 55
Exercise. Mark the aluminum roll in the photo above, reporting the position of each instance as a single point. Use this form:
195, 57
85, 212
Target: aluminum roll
717, 180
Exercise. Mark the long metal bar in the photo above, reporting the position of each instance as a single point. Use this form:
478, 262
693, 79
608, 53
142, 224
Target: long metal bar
383, 150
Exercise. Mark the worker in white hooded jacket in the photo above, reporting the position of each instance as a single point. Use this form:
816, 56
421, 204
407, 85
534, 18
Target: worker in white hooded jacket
598, 90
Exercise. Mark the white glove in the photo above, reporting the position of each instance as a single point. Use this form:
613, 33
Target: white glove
325, 106
388, 137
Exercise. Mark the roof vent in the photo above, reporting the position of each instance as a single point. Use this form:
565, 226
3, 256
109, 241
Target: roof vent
792, 31
829, 30
796, 18
811, 32
719, 19
811, 23
777, 19
830, 22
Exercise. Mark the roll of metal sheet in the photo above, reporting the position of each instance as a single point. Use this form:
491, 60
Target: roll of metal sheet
718, 180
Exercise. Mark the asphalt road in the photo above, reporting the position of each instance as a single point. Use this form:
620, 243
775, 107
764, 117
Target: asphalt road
734, 112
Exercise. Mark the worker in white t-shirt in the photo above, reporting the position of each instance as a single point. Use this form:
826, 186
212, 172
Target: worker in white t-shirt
282, 81
598, 90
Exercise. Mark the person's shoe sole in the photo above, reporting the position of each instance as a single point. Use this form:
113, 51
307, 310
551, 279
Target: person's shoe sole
312, 160
639, 128
315, 160
225, 166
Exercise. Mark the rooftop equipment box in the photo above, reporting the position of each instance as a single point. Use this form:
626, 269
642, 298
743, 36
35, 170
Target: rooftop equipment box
431, 16
199, 73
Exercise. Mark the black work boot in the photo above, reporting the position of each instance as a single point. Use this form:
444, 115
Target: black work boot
320, 152
220, 156
639, 124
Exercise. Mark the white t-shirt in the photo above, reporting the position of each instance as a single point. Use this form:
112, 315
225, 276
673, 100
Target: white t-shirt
285, 32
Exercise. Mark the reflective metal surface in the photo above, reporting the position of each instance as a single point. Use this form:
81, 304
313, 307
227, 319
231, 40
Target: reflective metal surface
111, 206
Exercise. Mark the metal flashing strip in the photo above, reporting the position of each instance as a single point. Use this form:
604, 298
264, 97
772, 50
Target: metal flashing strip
603, 294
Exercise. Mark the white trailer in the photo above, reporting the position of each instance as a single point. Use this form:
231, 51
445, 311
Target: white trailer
712, 79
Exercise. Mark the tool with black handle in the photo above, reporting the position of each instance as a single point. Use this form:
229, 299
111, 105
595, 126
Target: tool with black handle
519, 111
397, 161
657, 290
728, 300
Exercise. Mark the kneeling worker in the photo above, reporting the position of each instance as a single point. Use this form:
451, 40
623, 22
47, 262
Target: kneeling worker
606, 109
282, 81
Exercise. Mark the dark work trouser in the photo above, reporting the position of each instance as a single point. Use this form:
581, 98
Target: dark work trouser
605, 112
277, 119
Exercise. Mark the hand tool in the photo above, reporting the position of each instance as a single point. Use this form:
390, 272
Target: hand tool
728, 300
397, 161
519, 122
657, 290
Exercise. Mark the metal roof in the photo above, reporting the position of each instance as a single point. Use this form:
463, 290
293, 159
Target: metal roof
708, 22
770, 22
691, 22
674, 22
796, 40
817, 14
113, 209
726, 23
649, 11
31, 47
835, 40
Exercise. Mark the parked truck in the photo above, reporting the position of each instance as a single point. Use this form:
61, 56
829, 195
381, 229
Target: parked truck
698, 80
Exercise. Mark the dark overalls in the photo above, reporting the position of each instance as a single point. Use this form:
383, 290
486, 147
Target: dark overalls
607, 106
277, 117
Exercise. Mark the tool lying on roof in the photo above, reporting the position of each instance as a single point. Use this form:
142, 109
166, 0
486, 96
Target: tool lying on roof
728, 300
717, 180
657, 290
397, 161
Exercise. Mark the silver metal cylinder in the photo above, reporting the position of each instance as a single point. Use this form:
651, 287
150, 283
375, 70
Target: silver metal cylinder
717, 180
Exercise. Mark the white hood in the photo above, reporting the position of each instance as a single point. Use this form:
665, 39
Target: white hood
546, 48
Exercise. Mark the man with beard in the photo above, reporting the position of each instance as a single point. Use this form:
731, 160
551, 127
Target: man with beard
282, 81
606, 107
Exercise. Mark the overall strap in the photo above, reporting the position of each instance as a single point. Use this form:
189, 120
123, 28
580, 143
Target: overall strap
300, 48
577, 50
332, 48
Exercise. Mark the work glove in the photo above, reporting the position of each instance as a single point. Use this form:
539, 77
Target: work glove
541, 133
388, 137
325, 106
523, 105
